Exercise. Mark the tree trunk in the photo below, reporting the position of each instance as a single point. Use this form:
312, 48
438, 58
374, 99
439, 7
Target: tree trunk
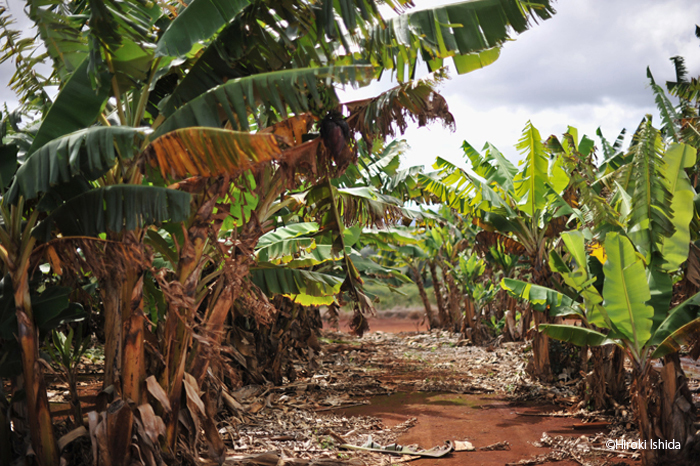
453, 295
471, 324
540, 351
666, 414
469, 319
525, 320
511, 313
111, 291
182, 307
38, 411
133, 326
219, 307
437, 288
423, 296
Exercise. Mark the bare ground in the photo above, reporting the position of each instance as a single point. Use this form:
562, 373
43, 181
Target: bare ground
421, 388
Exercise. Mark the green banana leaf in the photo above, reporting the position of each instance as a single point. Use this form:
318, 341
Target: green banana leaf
674, 249
279, 90
626, 291
579, 336
460, 29
199, 22
320, 254
668, 113
287, 232
90, 152
76, 107
303, 286
493, 166
650, 217
686, 334
284, 251
530, 183
115, 208
542, 298
678, 317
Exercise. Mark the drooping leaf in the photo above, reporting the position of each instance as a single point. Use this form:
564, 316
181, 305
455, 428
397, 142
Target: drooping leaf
579, 336
115, 208
238, 98
541, 298
687, 334
209, 152
452, 30
284, 251
89, 152
287, 232
678, 317
295, 283
383, 115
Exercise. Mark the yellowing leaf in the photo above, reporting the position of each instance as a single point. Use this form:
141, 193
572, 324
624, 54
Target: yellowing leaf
597, 250
210, 152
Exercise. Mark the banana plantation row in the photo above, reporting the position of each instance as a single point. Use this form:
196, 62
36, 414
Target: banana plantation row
196, 191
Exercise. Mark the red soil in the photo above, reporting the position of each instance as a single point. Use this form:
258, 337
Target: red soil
481, 419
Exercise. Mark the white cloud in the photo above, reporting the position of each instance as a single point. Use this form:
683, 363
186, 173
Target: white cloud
585, 67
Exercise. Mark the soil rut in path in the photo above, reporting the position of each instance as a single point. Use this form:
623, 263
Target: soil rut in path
476, 406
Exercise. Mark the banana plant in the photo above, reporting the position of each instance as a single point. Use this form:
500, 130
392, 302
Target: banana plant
179, 104
478, 292
631, 295
523, 209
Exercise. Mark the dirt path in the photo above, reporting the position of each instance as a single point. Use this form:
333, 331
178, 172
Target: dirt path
416, 388
480, 419
412, 388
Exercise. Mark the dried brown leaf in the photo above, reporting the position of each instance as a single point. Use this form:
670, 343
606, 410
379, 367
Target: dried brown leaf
153, 425
158, 393
194, 402
70, 436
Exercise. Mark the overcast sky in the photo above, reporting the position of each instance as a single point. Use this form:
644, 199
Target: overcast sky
585, 67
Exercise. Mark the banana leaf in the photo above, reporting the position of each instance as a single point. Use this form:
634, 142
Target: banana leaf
579, 336
90, 152
115, 208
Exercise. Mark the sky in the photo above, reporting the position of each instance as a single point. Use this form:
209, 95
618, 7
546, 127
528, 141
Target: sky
585, 67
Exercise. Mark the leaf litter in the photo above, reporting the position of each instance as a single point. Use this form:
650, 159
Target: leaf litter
295, 423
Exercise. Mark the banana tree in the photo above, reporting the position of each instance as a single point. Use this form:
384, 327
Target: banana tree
523, 209
641, 249
663, 405
214, 65
582, 277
